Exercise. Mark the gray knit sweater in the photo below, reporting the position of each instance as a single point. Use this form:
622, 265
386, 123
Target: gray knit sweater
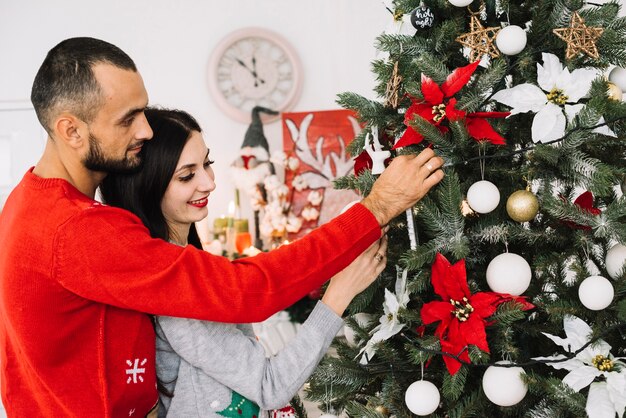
207, 365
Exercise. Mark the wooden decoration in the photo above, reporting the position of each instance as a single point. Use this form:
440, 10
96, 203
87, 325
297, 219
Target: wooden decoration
393, 88
579, 37
479, 40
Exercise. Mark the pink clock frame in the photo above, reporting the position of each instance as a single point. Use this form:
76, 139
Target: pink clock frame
223, 45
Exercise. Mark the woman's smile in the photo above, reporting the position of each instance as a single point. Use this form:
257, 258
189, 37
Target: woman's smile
200, 203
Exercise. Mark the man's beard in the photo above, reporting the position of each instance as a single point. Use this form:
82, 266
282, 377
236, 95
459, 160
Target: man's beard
97, 161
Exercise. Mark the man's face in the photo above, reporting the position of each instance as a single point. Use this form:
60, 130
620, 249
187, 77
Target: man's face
119, 128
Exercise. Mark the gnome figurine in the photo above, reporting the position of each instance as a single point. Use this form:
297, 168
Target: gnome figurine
253, 165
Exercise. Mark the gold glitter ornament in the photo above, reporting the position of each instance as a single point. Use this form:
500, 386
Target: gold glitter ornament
382, 410
522, 206
614, 92
480, 40
579, 37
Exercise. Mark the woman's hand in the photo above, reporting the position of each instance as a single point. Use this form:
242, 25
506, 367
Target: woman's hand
355, 278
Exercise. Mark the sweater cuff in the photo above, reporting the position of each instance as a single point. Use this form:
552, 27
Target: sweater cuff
324, 321
358, 215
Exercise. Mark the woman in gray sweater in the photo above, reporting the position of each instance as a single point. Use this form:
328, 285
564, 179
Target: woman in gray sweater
209, 369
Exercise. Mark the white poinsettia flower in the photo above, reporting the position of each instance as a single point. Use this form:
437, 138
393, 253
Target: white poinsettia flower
553, 100
299, 183
315, 198
606, 398
389, 323
400, 23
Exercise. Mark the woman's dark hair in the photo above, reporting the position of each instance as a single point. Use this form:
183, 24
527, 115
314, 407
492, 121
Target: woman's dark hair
142, 192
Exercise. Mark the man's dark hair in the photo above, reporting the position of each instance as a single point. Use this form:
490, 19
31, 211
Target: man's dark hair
65, 80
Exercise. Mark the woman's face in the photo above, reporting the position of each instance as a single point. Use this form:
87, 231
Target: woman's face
185, 200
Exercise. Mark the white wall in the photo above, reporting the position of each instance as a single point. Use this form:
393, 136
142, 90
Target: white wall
171, 43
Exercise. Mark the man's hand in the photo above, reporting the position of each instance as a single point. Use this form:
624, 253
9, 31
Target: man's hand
407, 179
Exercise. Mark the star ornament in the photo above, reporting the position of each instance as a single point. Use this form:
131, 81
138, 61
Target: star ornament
579, 37
462, 316
479, 40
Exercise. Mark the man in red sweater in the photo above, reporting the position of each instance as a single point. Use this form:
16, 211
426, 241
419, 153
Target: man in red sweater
77, 277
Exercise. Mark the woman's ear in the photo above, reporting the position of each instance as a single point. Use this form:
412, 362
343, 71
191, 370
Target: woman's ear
71, 130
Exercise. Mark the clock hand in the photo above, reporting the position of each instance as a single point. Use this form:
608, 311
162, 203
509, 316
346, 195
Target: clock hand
254, 72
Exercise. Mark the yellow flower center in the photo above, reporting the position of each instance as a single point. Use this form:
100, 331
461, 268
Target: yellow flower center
397, 15
557, 96
602, 363
439, 111
390, 317
462, 310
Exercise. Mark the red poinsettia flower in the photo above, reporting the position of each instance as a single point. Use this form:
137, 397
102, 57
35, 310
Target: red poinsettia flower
462, 315
439, 105
585, 202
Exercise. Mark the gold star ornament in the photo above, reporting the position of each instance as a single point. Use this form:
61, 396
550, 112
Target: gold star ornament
479, 40
579, 37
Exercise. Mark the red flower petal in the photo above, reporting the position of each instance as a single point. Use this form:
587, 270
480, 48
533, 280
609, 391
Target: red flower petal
521, 300
409, 137
489, 114
481, 129
438, 275
456, 281
435, 311
427, 113
474, 332
485, 303
458, 79
452, 113
452, 364
585, 201
431, 91
362, 162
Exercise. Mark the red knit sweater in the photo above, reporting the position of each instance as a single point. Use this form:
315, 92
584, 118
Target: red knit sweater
77, 278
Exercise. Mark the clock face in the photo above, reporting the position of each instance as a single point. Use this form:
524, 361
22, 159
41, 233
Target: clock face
254, 67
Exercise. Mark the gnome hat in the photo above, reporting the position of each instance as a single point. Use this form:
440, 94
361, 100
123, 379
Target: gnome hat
254, 135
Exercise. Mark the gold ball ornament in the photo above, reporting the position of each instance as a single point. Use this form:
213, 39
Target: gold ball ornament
382, 410
614, 92
522, 206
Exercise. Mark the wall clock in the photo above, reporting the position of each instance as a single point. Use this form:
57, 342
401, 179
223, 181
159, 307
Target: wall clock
254, 67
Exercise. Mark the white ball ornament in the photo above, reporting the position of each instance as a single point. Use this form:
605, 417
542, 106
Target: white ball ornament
504, 385
596, 293
511, 40
422, 398
615, 260
460, 3
617, 76
509, 273
483, 196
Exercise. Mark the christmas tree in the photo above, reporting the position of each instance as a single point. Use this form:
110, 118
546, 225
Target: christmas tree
503, 295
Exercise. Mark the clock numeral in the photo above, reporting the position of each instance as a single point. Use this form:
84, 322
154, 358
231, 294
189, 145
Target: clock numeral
284, 76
